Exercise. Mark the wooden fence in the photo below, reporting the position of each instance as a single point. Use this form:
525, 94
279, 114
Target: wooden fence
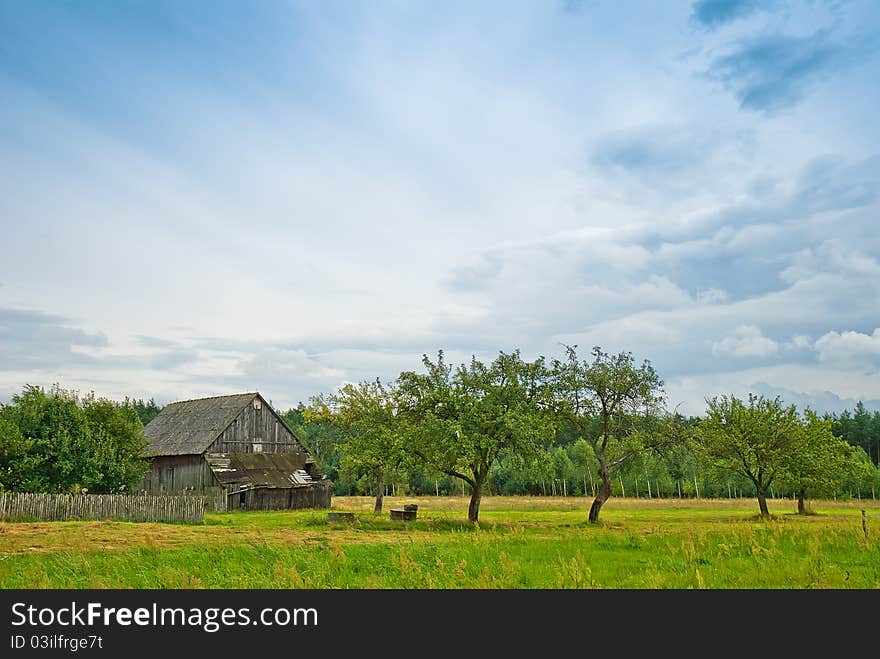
124, 507
215, 499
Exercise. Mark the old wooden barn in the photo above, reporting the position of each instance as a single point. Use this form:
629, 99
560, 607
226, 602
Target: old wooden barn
235, 442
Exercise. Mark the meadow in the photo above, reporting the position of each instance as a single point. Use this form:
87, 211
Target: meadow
520, 542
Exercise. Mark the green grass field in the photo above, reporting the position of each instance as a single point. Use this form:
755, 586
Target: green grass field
521, 542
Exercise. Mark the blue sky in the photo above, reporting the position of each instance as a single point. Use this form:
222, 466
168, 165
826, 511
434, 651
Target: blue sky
204, 198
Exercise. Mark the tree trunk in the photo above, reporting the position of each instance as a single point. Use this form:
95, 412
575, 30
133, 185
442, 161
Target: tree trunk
762, 503
380, 491
476, 495
802, 508
602, 496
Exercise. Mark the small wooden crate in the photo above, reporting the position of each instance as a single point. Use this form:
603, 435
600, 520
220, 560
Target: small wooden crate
403, 514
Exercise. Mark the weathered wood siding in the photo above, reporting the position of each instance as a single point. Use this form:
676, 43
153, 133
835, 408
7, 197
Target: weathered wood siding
257, 429
26, 506
176, 473
215, 499
312, 496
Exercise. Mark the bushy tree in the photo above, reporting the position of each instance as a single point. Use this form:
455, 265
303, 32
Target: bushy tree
15, 462
612, 403
819, 461
70, 443
461, 419
118, 441
756, 438
365, 413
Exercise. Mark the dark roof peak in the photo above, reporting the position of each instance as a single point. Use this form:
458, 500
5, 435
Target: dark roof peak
190, 400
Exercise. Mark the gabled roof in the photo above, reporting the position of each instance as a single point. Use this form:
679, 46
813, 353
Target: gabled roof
250, 470
188, 427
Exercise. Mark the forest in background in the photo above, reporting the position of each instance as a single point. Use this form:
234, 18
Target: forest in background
56, 440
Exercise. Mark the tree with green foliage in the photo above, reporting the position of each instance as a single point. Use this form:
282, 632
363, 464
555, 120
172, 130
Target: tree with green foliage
366, 414
861, 476
118, 441
562, 469
460, 420
146, 410
756, 438
585, 463
15, 461
860, 428
819, 461
67, 443
59, 444
320, 437
511, 475
614, 405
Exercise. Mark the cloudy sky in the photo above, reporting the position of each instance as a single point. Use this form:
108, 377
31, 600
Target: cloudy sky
205, 198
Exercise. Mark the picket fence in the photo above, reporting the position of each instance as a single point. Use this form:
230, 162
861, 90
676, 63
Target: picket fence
215, 499
190, 509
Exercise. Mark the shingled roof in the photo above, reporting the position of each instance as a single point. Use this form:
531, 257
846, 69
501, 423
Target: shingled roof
188, 427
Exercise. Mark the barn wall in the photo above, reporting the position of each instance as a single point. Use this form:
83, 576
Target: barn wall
259, 428
312, 496
175, 473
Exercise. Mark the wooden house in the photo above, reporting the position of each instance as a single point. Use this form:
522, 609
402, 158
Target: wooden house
236, 442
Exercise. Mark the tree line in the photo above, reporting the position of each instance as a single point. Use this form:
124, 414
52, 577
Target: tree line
595, 426
514, 424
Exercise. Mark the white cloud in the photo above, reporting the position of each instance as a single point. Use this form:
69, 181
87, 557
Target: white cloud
745, 341
853, 348
799, 342
409, 179
831, 256
279, 362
